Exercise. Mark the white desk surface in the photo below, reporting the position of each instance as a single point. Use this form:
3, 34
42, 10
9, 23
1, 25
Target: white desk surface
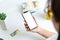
15, 21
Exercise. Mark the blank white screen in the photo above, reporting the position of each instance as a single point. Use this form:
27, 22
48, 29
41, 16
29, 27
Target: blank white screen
30, 21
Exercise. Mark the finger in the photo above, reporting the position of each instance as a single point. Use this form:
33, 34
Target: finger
27, 29
25, 24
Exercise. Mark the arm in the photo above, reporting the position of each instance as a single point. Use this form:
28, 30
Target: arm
44, 32
40, 31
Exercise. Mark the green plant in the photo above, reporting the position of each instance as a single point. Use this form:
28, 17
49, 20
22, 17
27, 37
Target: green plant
2, 16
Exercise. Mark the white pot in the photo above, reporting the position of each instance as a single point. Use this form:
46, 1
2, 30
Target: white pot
2, 24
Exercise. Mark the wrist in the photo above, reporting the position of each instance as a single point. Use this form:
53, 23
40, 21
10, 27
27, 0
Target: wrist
40, 30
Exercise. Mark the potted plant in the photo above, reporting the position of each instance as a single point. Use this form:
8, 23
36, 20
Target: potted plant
2, 23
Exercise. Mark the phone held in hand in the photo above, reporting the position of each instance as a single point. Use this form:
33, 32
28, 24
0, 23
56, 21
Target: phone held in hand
29, 19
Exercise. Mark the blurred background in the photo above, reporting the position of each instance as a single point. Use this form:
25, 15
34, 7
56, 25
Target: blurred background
14, 20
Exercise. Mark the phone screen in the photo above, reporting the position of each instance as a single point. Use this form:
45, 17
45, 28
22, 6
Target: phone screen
29, 19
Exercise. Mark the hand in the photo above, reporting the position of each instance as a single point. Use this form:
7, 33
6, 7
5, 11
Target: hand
39, 30
28, 29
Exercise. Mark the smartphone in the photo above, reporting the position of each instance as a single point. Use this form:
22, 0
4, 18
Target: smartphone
29, 19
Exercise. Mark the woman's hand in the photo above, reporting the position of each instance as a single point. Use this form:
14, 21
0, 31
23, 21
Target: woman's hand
28, 29
39, 30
